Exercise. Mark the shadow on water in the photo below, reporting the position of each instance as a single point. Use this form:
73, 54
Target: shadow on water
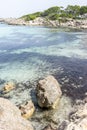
72, 77
71, 73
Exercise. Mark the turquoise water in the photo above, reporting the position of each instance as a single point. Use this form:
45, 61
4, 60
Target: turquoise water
29, 53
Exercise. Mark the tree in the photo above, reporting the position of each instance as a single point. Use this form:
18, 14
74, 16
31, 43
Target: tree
54, 17
73, 11
52, 10
83, 10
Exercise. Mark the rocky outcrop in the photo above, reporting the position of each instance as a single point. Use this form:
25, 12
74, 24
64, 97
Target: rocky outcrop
14, 21
27, 109
82, 125
79, 24
79, 119
70, 23
10, 117
48, 92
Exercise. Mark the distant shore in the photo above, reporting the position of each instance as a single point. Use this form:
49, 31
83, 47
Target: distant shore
71, 23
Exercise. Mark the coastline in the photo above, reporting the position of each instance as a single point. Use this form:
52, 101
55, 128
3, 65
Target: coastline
71, 23
73, 85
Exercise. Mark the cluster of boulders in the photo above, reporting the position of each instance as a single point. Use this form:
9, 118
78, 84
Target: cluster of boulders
10, 117
78, 119
79, 24
14, 21
48, 95
48, 92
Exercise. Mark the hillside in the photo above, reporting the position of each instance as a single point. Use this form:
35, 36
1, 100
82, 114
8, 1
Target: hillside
59, 13
71, 17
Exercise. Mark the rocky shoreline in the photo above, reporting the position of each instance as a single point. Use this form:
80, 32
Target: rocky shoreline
70, 23
71, 111
47, 91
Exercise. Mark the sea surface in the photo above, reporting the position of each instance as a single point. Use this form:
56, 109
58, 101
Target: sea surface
30, 53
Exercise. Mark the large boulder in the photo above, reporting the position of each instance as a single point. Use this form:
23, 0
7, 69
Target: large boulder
48, 92
10, 117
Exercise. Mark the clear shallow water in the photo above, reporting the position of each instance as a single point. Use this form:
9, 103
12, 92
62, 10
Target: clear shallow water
26, 53
30, 53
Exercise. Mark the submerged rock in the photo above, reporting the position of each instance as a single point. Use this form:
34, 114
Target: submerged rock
49, 127
79, 119
8, 87
82, 125
27, 109
48, 92
10, 117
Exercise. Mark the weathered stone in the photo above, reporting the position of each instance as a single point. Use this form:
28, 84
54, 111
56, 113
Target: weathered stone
82, 125
43, 21
27, 109
10, 117
80, 113
8, 87
80, 119
49, 127
48, 92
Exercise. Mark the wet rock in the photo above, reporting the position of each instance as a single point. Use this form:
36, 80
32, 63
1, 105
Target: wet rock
8, 87
27, 109
63, 125
48, 92
80, 113
10, 117
82, 125
79, 119
49, 127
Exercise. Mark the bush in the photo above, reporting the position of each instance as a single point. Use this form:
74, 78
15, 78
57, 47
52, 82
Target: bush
32, 16
54, 17
51, 10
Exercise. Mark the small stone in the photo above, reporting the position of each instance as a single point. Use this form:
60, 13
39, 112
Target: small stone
8, 87
27, 109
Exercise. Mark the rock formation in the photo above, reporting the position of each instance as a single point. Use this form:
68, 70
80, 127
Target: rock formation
8, 87
27, 109
71, 23
48, 92
10, 117
79, 119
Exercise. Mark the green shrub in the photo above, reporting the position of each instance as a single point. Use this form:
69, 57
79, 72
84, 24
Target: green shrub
54, 17
51, 10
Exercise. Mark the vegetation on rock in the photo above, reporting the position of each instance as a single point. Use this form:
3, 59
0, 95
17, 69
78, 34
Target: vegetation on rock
55, 13
31, 16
